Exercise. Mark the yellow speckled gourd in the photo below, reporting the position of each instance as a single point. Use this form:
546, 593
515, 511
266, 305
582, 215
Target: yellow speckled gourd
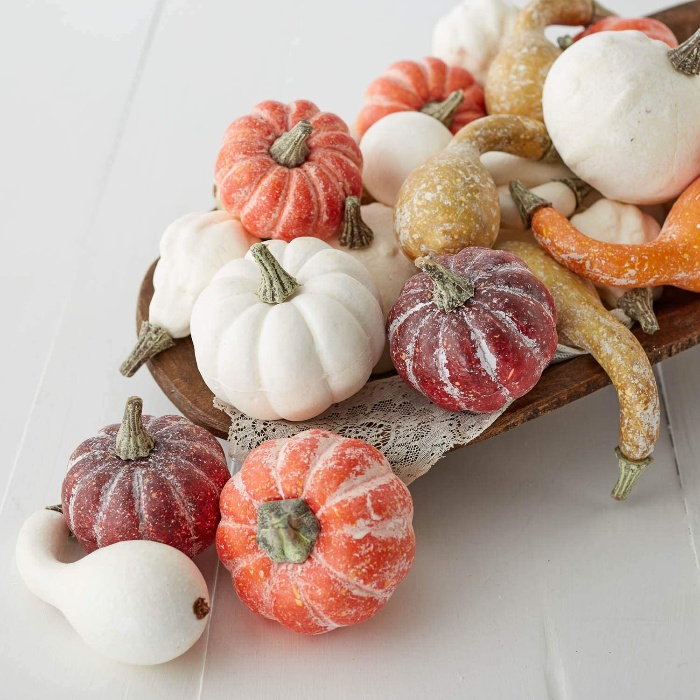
451, 201
583, 321
516, 76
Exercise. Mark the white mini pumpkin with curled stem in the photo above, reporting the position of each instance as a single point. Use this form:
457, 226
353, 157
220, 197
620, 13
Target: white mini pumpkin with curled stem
192, 249
289, 330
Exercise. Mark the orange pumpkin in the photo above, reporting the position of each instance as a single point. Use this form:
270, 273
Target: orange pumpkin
286, 170
316, 531
448, 93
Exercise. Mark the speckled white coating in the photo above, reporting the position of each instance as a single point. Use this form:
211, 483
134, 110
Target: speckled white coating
471, 34
393, 147
294, 359
623, 119
192, 250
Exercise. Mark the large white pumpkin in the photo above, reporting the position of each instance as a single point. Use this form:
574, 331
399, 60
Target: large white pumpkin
623, 118
309, 346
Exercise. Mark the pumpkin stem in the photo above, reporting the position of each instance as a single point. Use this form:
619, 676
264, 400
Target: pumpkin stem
638, 304
290, 149
445, 111
287, 530
450, 291
152, 340
686, 57
580, 188
133, 440
527, 202
565, 41
630, 471
276, 284
355, 233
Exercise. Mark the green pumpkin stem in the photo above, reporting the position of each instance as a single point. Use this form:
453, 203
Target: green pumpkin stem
290, 149
450, 291
355, 233
276, 284
630, 471
686, 57
287, 530
565, 41
527, 202
445, 111
133, 440
151, 341
638, 304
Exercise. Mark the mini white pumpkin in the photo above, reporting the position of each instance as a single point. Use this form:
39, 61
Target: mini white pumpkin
561, 196
192, 249
623, 118
504, 167
471, 34
381, 255
138, 601
616, 222
394, 146
289, 330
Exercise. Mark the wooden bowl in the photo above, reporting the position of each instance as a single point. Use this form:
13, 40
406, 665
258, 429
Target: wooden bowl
678, 312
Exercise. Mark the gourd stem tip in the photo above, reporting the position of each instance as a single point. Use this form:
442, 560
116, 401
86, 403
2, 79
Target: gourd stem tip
290, 149
630, 471
527, 202
276, 284
356, 233
580, 188
133, 440
565, 41
445, 111
685, 58
450, 291
638, 304
152, 340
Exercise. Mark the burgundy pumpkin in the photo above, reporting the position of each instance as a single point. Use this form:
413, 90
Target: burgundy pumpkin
474, 330
149, 478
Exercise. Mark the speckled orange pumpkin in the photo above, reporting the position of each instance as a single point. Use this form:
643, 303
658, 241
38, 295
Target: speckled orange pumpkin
316, 531
448, 93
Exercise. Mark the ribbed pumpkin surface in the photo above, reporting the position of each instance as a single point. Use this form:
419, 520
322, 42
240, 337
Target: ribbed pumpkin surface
488, 351
274, 201
170, 496
410, 85
366, 543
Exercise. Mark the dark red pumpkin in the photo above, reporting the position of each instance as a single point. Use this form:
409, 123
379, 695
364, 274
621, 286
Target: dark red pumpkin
149, 478
474, 330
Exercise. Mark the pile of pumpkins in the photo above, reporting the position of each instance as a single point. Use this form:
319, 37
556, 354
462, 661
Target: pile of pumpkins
436, 241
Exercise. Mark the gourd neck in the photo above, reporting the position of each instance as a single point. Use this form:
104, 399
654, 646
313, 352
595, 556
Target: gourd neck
355, 234
287, 530
450, 291
509, 133
528, 203
276, 284
152, 340
638, 304
686, 57
445, 111
290, 149
630, 471
540, 14
133, 440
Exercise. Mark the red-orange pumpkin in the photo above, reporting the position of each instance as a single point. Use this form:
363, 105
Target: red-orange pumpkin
286, 170
651, 27
316, 531
423, 86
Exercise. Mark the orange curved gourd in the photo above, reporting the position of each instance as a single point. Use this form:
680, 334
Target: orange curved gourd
673, 258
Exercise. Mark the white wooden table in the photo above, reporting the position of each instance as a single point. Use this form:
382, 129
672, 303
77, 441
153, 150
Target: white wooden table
529, 581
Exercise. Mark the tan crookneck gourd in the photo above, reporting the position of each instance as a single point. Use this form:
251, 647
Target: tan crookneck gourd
451, 201
516, 76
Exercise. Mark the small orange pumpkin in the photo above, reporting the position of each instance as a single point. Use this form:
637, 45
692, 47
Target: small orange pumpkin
316, 531
448, 93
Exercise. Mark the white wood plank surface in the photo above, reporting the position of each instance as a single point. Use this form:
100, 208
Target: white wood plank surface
529, 581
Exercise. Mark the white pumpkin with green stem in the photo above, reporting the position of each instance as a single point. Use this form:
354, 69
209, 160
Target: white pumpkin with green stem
368, 235
137, 601
192, 249
289, 330
622, 110
615, 222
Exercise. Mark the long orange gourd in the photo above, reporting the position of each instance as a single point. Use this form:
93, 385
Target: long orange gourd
672, 258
